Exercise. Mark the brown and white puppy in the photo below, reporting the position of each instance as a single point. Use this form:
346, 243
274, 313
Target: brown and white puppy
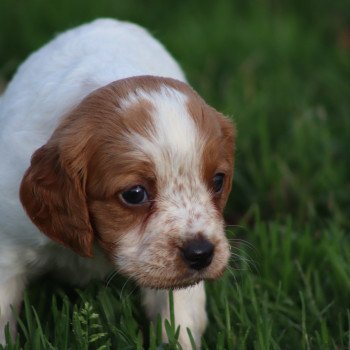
140, 168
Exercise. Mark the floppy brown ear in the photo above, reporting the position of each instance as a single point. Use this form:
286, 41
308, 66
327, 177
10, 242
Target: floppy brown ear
55, 201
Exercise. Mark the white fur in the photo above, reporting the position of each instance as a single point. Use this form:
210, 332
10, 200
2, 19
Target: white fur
174, 131
50, 82
10, 296
190, 309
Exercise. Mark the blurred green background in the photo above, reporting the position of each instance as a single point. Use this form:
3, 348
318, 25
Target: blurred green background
281, 70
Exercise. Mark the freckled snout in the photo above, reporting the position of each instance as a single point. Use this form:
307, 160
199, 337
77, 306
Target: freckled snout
198, 253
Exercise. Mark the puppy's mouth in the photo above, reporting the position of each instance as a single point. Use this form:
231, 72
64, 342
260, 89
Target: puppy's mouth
175, 272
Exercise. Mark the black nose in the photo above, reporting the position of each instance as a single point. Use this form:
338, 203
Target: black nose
198, 253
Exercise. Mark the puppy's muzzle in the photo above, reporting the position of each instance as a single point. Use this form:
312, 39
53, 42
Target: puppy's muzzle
198, 253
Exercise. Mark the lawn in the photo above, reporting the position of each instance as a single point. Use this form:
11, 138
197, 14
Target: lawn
281, 70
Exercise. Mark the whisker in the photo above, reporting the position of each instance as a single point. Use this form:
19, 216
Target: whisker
231, 272
242, 242
110, 278
122, 290
239, 255
246, 261
131, 292
243, 250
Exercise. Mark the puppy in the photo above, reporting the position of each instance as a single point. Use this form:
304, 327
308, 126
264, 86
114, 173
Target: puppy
110, 161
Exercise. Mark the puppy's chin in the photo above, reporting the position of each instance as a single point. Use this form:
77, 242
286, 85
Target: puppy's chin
157, 282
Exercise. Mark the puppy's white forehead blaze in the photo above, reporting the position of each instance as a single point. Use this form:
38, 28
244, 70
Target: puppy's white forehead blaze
173, 143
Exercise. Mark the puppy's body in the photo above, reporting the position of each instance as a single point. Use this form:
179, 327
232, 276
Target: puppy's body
43, 106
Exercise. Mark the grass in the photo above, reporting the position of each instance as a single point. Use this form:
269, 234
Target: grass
282, 70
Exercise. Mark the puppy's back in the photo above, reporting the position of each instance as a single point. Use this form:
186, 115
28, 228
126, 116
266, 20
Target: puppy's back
57, 76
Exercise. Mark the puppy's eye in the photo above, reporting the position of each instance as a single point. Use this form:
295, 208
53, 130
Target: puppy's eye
218, 182
134, 196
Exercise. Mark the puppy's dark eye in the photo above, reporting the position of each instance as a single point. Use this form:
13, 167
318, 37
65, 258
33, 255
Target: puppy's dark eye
134, 196
218, 182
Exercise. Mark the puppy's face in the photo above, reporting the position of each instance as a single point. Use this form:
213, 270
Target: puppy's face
144, 167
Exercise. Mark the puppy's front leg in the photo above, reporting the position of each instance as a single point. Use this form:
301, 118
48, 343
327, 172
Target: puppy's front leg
189, 309
11, 293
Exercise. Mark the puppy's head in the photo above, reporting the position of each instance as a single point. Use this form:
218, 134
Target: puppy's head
144, 167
